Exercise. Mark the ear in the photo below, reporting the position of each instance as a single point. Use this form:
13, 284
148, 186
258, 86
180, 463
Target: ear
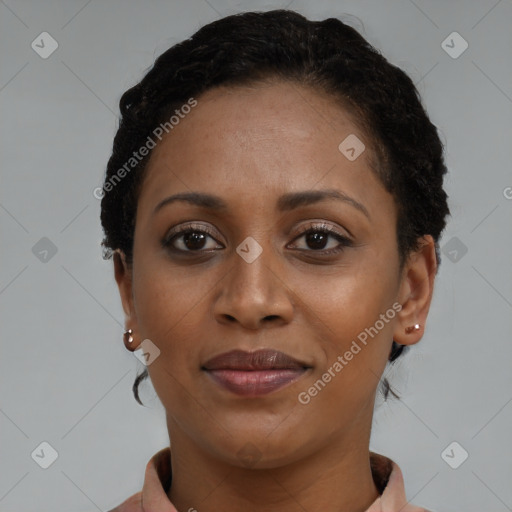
415, 293
123, 276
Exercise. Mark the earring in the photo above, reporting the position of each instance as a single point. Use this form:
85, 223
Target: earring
412, 328
128, 338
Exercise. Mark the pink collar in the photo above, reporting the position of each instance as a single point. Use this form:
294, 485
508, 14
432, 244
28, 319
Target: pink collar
153, 497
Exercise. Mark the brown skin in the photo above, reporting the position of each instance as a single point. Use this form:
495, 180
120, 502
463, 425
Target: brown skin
250, 145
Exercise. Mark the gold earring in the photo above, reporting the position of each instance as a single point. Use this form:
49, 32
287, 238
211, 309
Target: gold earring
412, 328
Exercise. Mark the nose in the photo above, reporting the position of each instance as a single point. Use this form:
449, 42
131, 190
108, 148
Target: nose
253, 295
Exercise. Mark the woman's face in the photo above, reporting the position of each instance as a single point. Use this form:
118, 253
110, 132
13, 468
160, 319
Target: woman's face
250, 279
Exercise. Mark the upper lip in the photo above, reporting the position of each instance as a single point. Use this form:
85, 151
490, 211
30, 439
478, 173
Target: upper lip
264, 359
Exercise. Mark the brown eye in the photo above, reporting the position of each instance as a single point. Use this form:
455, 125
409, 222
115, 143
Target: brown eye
317, 239
190, 239
193, 240
324, 240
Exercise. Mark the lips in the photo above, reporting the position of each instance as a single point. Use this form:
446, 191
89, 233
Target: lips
258, 360
254, 373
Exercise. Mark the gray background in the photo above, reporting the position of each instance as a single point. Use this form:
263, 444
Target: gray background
65, 376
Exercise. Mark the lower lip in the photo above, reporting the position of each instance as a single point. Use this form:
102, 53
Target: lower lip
255, 382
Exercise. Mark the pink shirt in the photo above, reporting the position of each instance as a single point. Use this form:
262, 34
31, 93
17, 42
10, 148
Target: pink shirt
153, 497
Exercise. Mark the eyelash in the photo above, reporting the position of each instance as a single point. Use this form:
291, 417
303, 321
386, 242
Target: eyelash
317, 228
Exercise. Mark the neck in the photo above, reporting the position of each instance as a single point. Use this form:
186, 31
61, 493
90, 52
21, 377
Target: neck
335, 477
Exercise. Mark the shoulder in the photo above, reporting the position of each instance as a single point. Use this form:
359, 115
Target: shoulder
389, 480
132, 504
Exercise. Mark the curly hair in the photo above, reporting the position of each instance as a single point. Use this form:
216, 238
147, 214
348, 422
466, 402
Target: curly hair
329, 56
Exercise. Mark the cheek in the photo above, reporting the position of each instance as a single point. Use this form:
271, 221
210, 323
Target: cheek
354, 319
165, 296
169, 319
169, 309
348, 301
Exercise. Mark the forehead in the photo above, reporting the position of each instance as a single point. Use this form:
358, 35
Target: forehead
260, 141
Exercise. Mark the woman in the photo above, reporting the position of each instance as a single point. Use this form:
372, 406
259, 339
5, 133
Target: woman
273, 206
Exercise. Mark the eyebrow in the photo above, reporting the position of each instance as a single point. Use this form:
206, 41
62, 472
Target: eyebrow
285, 202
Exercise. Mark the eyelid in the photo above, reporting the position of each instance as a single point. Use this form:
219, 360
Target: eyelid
323, 226
190, 226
